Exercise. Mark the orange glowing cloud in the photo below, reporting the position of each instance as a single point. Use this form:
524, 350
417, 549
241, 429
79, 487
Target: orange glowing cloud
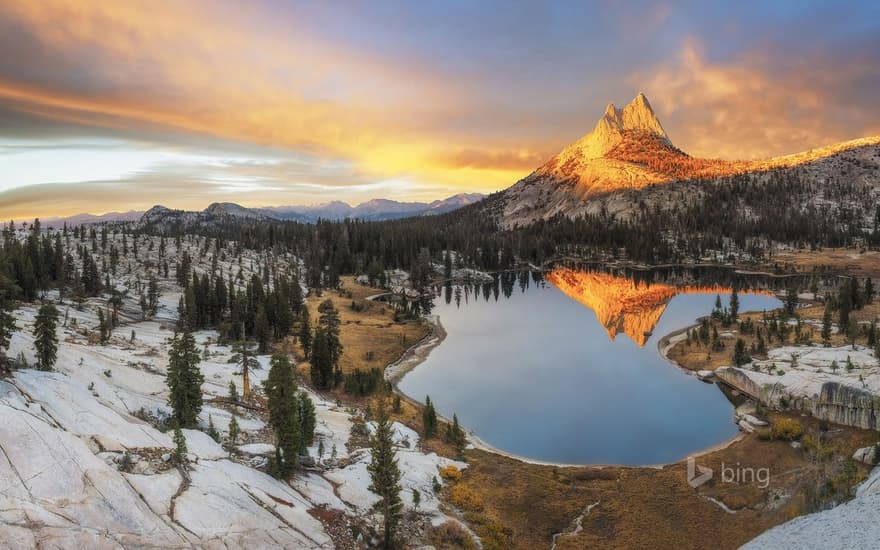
745, 109
181, 67
432, 107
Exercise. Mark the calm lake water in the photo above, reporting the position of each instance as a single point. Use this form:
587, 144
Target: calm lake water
537, 375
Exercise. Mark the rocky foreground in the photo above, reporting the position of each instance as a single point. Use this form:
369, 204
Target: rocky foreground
82, 465
840, 385
851, 525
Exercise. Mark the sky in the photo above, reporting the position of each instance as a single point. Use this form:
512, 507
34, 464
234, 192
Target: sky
117, 106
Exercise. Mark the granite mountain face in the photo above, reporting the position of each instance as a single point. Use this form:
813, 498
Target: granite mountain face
628, 158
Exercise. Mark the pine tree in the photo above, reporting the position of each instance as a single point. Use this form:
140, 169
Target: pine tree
716, 310
458, 438
855, 294
7, 326
184, 380
826, 327
740, 355
103, 329
869, 291
308, 420
734, 304
284, 415
243, 354
321, 363
180, 451
845, 306
153, 296
429, 418
305, 332
262, 330
233, 430
852, 331
45, 339
212, 430
385, 475
791, 300
329, 320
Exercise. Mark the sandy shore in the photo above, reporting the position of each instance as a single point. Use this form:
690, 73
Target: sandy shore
666, 343
416, 354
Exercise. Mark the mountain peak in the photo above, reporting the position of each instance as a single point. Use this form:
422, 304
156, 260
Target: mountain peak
639, 115
230, 209
636, 118
611, 111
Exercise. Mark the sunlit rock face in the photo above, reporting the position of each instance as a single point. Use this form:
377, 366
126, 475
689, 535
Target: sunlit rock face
622, 304
628, 150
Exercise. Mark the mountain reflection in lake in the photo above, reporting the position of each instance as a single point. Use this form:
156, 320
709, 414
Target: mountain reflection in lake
534, 373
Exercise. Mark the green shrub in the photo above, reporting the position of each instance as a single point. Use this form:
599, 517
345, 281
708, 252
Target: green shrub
451, 535
363, 383
787, 429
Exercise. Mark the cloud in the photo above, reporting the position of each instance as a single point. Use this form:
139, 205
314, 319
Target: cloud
321, 100
192, 182
189, 70
755, 105
487, 159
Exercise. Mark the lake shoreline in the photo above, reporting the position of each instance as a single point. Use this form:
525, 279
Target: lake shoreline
416, 354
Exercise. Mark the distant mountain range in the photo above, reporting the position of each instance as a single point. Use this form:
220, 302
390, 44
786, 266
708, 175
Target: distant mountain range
373, 210
81, 219
376, 209
626, 165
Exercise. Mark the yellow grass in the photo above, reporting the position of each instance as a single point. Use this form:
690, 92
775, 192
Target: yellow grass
370, 338
511, 504
839, 260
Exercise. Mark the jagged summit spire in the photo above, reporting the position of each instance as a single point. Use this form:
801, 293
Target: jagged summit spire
642, 99
610, 110
637, 116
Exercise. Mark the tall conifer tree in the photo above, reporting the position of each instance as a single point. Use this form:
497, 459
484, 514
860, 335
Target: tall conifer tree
45, 339
184, 380
385, 475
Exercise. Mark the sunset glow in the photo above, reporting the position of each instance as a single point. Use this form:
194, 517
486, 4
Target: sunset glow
116, 106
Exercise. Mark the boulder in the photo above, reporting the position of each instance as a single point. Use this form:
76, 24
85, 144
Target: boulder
257, 449
830, 399
108, 444
866, 455
754, 421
